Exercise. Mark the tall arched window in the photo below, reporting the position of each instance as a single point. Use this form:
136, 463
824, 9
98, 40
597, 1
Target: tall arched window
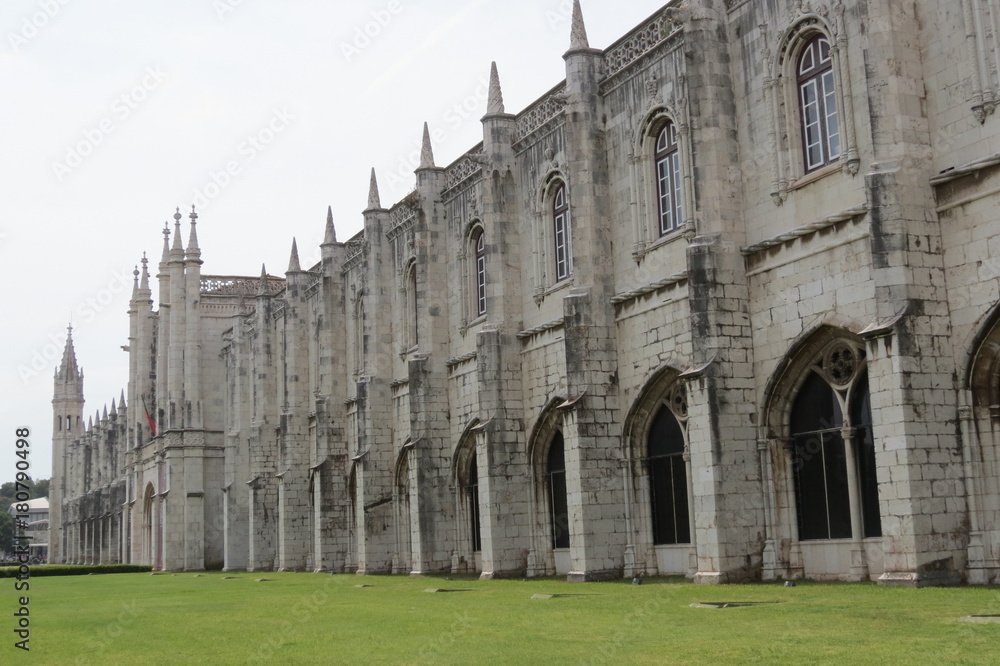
555, 473
833, 404
411, 306
472, 496
668, 480
562, 234
818, 104
479, 273
668, 179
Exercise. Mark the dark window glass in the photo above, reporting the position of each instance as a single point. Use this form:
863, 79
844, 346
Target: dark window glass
861, 419
556, 473
819, 463
668, 480
474, 504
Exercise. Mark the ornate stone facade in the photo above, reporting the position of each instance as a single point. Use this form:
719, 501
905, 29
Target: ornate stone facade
723, 303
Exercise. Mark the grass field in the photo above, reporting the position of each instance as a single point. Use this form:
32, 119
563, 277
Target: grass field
230, 618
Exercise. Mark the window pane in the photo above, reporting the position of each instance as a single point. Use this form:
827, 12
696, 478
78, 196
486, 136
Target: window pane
559, 513
665, 194
819, 463
474, 504
668, 480
830, 107
861, 419
562, 269
676, 163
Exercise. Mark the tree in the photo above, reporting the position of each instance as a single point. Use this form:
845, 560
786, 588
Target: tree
36, 489
6, 532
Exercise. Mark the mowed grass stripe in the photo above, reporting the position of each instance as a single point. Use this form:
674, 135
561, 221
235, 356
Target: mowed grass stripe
303, 618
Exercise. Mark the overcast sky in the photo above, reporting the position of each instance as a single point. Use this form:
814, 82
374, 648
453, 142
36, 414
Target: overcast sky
261, 112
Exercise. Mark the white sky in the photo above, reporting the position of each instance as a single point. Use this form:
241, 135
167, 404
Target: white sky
114, 113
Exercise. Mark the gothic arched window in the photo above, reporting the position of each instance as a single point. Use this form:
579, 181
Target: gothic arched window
668, 179
668, 480
555, 474
479, 273
825, 464
561, 233
818, 104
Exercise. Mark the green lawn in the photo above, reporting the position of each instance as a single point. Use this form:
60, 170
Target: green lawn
186, 618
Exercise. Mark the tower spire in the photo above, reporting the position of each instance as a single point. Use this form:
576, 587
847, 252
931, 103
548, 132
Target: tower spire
426, 154
494, 103
293, 260
330, 234
68, 368
578, 33
374, 201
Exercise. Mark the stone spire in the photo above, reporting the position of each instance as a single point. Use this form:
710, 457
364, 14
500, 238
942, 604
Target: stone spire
114, 409
330, 235
426, 154
374, 201
68, 368
177, 233
262, 287
578, 33
193, 251
144, 280
494, 103
293, 260
166, 243
104, 417
121, 401
135, 283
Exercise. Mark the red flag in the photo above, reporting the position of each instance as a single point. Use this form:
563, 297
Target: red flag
152, 423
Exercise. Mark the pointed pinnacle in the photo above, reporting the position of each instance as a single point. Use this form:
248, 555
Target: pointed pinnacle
494, 104
144, 281
135, 281
374, 201
166, 243
114, 409
330, 234
293, 260
578, 33
177, 231
193, 238
262, 287
426, 154
121, 400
